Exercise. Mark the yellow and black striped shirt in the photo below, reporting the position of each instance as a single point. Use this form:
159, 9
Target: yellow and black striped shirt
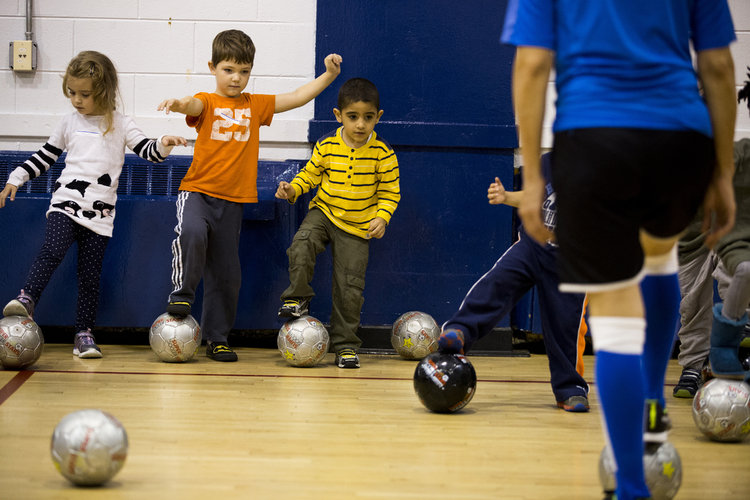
354, 185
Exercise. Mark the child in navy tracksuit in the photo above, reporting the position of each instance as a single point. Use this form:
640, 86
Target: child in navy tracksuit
524, 265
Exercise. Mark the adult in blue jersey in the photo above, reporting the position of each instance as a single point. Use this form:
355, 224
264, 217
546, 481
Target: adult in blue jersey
637, 149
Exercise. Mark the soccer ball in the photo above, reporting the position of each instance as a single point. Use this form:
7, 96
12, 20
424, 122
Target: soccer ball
414, 335
303, 341
89, 447
721, 410
22, 342
445, 382
662, 465
175, 339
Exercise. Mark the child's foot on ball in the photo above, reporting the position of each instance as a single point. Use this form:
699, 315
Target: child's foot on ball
178, 309
451, 341
23, 305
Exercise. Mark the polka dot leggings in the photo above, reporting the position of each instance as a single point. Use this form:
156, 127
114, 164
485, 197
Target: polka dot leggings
59, 235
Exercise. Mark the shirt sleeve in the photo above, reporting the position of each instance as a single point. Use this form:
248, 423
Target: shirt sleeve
309, 177
389, 189
148, 149
711, 25
41, 161
530, 23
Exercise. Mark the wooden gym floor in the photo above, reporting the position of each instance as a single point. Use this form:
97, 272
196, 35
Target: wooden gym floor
261, 429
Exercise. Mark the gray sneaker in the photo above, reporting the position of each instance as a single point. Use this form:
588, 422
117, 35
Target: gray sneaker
84, 346
23, 305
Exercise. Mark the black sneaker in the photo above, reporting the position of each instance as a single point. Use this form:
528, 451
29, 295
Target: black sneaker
347, 358
178, 309
689, 383
658, 422
220, 351
294, 308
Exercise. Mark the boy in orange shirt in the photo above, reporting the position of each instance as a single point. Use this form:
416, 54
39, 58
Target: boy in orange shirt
222, 176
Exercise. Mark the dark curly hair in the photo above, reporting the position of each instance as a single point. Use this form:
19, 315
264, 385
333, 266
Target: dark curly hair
744, 93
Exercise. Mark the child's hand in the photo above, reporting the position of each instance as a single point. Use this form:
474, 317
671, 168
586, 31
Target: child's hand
496, 193
178, 105
8, 190
285, 191
377, 228
173, 140
333, 64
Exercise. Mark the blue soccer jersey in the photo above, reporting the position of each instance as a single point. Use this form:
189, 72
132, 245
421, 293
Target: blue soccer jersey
610, 75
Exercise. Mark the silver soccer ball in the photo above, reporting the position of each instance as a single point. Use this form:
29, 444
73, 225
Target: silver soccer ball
21, 341
721, 410
414, 335
89, 447
303, 341
174, 340
662, 465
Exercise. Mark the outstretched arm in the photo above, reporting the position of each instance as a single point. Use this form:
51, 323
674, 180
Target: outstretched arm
310, 90
188, 105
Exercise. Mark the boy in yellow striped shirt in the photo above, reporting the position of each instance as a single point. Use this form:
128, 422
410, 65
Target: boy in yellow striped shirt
357, 179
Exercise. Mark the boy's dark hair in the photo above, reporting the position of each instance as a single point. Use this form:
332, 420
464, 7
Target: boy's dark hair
744, 93
358, 89
232, 45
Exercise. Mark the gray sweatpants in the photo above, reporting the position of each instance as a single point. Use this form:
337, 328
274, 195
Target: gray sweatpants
207, 247
696, 314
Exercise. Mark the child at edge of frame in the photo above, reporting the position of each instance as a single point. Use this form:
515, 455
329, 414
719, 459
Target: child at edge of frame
82, 208
221, 178
357, 179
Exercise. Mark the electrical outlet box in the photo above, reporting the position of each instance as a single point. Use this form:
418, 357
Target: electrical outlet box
23, 55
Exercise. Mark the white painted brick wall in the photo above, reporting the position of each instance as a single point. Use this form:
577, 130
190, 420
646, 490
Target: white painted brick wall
161, 49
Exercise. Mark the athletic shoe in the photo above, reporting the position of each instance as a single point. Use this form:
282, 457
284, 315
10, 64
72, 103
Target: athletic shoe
689, 383
451, 341
84, 345
658, 422
178, 309
23, 305
294, 308
347, 358
220, 351
576, 404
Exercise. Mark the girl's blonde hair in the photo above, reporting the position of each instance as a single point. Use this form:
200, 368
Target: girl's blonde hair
98, 67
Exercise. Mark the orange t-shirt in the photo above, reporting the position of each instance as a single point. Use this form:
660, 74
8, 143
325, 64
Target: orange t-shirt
225, 158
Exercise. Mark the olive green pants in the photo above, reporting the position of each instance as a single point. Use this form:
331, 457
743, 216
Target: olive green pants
350, 254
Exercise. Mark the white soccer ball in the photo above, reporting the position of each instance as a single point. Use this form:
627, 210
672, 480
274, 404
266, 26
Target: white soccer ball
661, 463
173, 339
414, 335
89, 447
21, 342
721, 410
303, 341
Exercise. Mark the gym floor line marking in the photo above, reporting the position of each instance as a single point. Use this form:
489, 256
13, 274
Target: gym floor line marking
14, 384
260, 375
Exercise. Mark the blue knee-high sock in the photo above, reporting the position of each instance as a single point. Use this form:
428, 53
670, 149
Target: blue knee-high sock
621, 394
661, 297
